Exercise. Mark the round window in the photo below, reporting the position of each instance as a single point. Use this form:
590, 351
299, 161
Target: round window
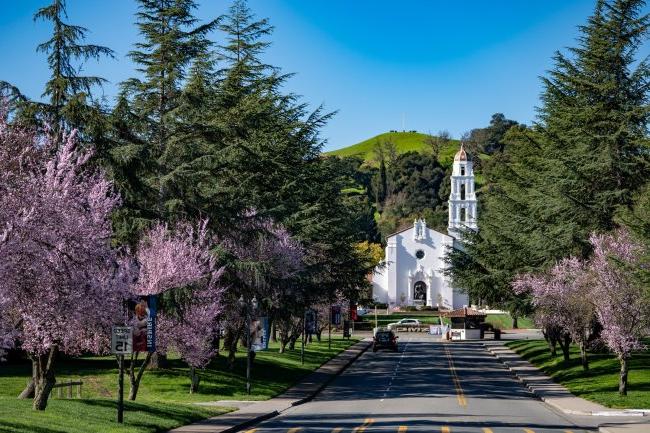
419, 254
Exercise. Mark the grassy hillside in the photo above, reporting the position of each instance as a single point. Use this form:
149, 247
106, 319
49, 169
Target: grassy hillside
404, 141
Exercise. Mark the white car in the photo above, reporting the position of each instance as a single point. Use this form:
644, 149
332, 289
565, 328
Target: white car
404, 322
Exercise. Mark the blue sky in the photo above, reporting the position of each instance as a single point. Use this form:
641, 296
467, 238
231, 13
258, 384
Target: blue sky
433, 64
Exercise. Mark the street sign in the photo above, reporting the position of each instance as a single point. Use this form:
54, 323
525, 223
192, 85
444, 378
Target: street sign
122, 340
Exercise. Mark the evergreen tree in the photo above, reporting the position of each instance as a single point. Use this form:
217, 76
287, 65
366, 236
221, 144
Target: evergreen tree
68, 93
565, 177
145, 119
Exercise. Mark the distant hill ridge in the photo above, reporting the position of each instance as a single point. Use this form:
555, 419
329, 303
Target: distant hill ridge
404, 142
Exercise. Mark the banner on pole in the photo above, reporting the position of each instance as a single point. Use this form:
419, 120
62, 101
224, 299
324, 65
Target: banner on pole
261, 333
144, 324
336, 315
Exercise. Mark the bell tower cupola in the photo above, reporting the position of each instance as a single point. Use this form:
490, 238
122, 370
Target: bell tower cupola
462, 199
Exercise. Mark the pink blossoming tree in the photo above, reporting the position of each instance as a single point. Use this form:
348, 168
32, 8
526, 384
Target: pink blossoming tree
180, 258
562, 299
622, 308
62, 284
606, 287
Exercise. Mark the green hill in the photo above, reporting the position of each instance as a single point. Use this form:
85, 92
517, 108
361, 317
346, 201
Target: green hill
404, 142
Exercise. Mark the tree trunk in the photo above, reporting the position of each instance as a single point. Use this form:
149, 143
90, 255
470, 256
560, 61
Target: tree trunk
551, 339
565, 345
135, 378
158, 360
274, 332
622, 383
515, 323
232, 349
292, 342
194, 381
46, 379
583, 356
30, 389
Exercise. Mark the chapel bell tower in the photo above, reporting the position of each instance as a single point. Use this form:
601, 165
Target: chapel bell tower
462, 200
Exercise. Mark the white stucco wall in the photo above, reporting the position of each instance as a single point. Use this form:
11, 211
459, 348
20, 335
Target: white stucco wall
394, 283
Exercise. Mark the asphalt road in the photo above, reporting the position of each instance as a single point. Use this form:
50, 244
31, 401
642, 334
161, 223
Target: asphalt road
428, 386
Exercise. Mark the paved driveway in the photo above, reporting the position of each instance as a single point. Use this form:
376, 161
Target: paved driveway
428, 386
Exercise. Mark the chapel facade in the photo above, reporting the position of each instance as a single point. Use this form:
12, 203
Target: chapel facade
412, 273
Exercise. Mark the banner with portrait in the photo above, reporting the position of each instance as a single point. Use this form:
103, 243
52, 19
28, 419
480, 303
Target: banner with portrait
144, 313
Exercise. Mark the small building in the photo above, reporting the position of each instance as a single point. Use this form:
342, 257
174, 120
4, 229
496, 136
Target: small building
466, 323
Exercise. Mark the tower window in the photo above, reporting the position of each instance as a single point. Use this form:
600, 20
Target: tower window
462, 192
462, 214
462, 170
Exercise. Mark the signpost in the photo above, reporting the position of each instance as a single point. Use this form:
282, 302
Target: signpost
121, 344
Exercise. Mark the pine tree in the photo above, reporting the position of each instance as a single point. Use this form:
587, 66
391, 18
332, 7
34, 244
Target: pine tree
565, 177
144, 120
68, 93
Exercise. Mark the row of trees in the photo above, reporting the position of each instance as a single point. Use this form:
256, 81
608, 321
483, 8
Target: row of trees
201, 185
557, 192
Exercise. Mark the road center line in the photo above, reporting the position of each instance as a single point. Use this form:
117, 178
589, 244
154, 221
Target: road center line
460, 395
363, 426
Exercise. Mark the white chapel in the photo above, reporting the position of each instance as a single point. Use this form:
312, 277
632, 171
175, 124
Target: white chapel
413, 268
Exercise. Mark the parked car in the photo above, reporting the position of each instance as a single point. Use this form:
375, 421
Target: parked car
384, 339
404, 322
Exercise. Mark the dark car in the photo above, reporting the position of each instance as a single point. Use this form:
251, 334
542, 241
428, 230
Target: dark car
384, 339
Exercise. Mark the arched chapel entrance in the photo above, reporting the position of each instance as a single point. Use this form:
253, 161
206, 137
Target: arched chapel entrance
420, 293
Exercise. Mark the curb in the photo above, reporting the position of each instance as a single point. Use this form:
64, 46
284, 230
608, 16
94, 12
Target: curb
333, 376
625, 428
613, 412
250, 422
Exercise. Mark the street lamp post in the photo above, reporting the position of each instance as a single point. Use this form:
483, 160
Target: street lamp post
249, 349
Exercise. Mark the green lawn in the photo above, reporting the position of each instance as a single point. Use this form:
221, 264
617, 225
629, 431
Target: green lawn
600, 383
163, 402
501, 321
504, 321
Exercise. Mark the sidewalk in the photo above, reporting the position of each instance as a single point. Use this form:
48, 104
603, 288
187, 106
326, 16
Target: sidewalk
304, 391
560, 398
